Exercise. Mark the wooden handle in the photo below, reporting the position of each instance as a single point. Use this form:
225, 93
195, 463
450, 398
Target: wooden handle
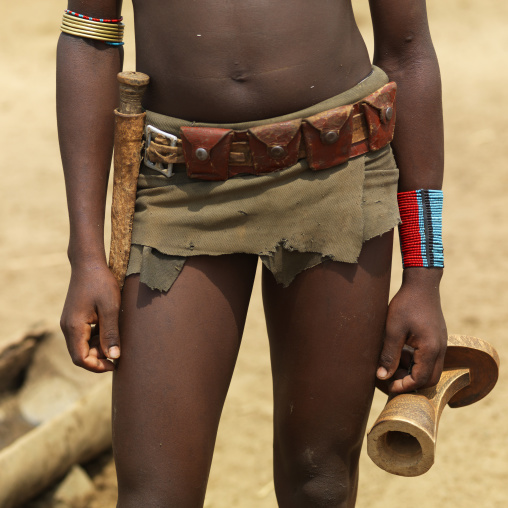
129, 127
132, 88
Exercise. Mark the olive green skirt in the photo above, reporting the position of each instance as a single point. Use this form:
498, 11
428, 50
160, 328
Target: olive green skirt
293, 219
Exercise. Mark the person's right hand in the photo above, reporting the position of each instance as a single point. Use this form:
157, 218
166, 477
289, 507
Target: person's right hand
93, 298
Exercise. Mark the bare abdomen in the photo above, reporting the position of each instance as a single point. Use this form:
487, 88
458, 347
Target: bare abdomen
225, 61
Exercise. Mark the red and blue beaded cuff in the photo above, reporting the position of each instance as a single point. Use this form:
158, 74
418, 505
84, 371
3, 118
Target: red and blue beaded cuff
421, 240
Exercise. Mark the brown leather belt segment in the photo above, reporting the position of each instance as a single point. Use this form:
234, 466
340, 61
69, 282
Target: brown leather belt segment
240, 154
326, 139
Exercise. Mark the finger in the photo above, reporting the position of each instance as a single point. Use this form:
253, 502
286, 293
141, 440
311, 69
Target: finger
77, 335
405, 367
404, 384
104, 364
424, 362
97, 365
391, 353
438, 369
96, 351
108, 330
95, 344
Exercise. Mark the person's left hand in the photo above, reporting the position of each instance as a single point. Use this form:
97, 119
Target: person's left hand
414, 319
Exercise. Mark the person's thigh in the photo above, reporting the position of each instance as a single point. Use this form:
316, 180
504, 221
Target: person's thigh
326, 331
178, 354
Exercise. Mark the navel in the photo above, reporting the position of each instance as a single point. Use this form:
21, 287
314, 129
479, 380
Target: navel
239, 76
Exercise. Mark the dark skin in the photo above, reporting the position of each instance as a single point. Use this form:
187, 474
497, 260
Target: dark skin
331, 331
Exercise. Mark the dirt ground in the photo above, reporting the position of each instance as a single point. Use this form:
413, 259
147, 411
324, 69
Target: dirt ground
471, 469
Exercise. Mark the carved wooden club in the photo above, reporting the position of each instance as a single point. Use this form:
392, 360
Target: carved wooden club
403, 439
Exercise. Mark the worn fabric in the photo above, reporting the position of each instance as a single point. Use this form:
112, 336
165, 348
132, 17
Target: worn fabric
293, 219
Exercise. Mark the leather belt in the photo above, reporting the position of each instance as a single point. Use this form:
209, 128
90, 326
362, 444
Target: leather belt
325, 140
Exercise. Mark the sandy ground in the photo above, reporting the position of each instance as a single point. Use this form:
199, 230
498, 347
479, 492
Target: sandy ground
471, 469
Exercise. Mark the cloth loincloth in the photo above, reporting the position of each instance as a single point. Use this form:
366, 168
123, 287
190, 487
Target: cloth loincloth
293, 219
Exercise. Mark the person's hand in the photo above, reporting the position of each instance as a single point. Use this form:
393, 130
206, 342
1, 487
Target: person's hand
93, 298
414, 319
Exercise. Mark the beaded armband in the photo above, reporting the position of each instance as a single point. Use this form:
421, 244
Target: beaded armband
109, 31
421, 241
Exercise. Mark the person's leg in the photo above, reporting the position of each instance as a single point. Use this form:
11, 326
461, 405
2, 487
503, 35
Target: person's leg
178, 354
326, 332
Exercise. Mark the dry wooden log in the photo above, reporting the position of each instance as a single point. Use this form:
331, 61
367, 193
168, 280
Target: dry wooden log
129, 127
46, 453
403, 439
16, 354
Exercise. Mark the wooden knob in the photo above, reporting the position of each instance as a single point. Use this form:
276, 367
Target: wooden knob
132, 88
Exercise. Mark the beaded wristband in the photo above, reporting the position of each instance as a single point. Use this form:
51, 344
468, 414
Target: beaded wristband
421, 241
109, 31
72, 13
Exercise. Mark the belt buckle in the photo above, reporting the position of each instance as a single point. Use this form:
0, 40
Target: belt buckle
159, 166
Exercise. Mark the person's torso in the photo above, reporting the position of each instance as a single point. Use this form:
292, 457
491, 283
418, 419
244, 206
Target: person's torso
240, 60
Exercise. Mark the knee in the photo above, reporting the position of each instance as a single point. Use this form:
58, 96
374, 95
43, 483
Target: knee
323, 480
324, 491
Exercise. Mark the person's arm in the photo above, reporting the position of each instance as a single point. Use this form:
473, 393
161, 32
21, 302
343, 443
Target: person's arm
87, 94
404, 50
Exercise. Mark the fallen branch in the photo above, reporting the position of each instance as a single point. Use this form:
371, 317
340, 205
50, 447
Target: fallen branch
46, 453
